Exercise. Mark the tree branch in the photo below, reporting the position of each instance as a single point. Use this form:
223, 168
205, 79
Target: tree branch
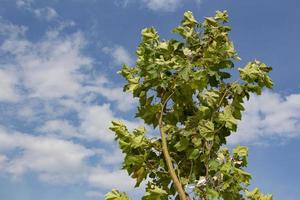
181, 192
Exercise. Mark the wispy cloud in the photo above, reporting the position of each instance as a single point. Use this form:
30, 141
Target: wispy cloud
45, 13
122, 3
11, 30
50, 67
7, 86
94, 122
119, 55
125, 102
23, 3
117, 179
163, 5
61, 128
52, 86
3, 159
55, 160
267, 117
157, 5
94, 194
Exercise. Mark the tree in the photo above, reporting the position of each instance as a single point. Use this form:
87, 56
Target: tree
187, 94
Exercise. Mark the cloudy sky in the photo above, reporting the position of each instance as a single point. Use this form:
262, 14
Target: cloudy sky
59, 90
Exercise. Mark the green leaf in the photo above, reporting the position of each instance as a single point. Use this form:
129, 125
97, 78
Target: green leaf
163, 45
257, 195
223, 16
210, 98
139, 175
116, 195
193, 154
228, 118
206, 129
213, 194
256, 72
149, 33
155, 193
185, 74
226, 168
211, 21
241, 151
182, 144
134, 160
131, 87
189, 19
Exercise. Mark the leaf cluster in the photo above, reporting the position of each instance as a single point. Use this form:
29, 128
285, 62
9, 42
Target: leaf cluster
189, 83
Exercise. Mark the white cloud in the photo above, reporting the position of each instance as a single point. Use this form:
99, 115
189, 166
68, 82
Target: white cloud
124, 101
61, 128
11, 30
114, 157
160, 5
3, 160
53, 71
122, 3
95, 122
163, 5
26, 112
7, 142
269, 116
94, 194
8, 82
49, 68
55, 160
199, 2
52, 68
117, 179
119, 54
45, 13
23, 3
52, 87
58, 161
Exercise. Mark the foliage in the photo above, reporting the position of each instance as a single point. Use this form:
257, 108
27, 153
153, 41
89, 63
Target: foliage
116, 195
185, 89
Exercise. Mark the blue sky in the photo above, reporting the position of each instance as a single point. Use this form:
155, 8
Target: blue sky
59, 90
